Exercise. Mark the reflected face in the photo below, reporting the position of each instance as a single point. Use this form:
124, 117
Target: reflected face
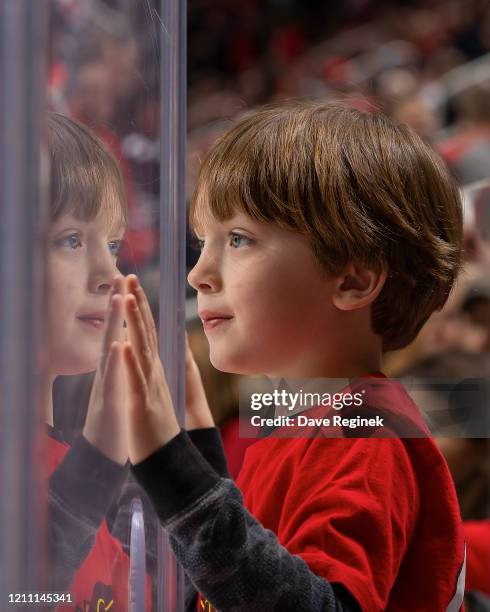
263, 298
94, 95
81, 266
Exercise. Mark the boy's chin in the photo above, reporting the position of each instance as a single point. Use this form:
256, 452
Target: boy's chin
223, 365
233, 364
77, 367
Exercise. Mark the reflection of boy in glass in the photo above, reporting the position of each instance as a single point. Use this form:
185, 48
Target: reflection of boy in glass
87, 222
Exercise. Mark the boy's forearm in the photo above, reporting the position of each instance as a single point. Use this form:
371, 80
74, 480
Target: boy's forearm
80, 492
208, 442
234, 562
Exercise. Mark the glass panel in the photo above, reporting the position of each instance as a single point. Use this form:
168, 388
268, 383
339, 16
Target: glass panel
107, 59
172, 249
22, 38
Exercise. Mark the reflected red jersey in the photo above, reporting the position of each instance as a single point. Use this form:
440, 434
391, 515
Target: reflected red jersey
101, 583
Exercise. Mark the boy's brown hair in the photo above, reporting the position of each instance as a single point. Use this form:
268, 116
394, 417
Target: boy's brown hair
362, 188
84, 174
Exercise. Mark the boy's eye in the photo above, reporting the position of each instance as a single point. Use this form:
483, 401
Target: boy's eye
72, 241
238, 240
115, 246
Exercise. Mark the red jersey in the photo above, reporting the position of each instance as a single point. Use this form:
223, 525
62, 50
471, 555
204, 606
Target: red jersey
378, 515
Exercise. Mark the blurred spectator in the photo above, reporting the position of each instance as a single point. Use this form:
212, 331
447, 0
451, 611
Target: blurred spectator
419, 113
468, 151
91, 95
450, 329
476, 306
455, 395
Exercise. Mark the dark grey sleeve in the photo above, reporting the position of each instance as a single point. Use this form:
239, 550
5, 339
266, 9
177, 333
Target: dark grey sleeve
233, 561
80, 492
208, 442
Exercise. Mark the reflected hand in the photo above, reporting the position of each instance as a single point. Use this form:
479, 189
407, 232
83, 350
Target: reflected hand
151, 417
105, 425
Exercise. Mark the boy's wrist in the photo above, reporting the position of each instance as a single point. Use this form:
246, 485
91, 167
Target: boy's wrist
208, 442
193, 421
147, 439
113, 446
86, 481
175, 476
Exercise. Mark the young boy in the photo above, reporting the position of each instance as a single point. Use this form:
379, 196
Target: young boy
328, 236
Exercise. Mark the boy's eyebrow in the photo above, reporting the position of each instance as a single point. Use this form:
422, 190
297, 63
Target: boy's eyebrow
115, 224
66, 220
119, 229
225, 225
195, 234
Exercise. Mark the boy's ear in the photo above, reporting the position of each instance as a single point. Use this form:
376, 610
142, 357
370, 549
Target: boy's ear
358, 287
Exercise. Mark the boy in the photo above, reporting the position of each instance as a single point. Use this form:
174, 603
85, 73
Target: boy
328, 236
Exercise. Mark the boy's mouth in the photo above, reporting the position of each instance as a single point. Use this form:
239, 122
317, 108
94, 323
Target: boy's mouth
94, 319
211, 320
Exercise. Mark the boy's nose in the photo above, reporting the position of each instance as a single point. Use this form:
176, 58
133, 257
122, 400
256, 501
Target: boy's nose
102, 274
204, 276
104, 287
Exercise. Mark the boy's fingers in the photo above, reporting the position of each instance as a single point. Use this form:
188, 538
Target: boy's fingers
135, 376
137, 334
111, 379
118, 284
113, 319
114, 327
140, 295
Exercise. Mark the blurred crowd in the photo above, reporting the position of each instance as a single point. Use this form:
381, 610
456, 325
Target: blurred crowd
425, 63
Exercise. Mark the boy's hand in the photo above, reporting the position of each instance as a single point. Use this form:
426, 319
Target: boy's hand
197, 413
105, 425
151, 417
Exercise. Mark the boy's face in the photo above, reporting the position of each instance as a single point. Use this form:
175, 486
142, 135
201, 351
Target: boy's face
81, 266
263, 298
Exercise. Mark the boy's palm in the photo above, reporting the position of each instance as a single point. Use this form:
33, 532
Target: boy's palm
151, 417
197, 413
105, 425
